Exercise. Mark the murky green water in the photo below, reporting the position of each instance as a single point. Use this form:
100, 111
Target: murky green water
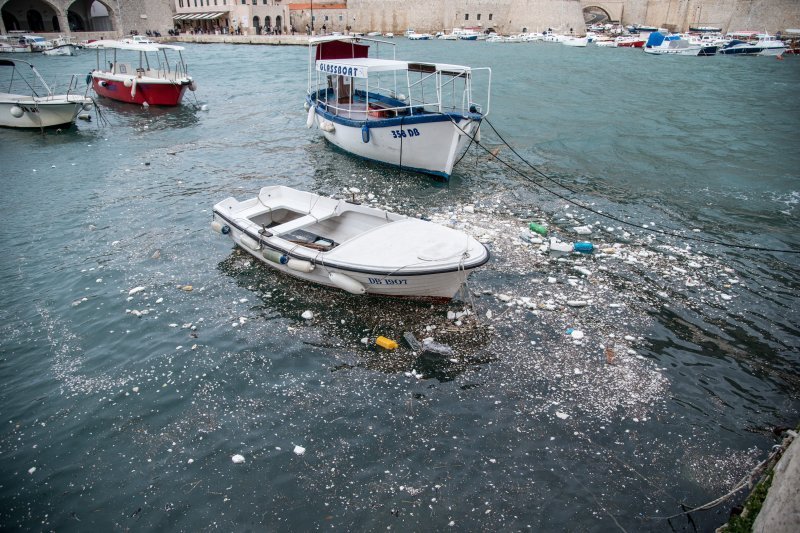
689, 357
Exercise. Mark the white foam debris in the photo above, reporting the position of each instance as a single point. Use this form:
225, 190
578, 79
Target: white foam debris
31, 470
237, 459
308, 315
299, 450
576, 334
582, 230
562, 416
190, 461
136, 290
135, 389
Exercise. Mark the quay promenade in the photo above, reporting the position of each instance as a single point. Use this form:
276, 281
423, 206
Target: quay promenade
297, 39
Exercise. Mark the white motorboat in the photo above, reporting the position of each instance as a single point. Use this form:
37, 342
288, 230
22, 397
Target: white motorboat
660, 44
578, 42
61, 50
416, 115
28, 102
766, 45
419, 36
353, 247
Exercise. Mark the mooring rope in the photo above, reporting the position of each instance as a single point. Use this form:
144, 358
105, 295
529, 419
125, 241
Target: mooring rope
595, 211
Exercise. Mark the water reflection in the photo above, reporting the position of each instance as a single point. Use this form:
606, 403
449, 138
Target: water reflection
149, 118
350, 322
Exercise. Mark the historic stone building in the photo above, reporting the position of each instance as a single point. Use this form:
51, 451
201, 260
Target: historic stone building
120, 17
113, 17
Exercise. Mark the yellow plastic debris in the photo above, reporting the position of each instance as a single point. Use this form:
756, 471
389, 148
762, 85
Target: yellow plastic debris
383, 342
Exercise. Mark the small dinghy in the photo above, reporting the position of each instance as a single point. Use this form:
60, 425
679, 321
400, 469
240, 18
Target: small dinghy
353, 247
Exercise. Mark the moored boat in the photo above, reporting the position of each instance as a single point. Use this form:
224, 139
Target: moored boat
155, 80
660, 44
30, 103
61, 50
349, 246
416, 115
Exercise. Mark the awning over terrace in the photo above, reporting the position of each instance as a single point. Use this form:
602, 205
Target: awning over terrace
199, 16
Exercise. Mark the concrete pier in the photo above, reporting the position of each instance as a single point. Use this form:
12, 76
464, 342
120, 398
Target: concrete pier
780, 512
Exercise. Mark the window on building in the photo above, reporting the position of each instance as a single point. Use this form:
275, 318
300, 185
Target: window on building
326, 18
264, 2
466, 17
180, 3
478, 17
490, 16
341, 17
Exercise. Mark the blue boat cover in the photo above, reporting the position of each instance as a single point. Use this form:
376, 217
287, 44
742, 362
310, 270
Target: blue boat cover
655, 39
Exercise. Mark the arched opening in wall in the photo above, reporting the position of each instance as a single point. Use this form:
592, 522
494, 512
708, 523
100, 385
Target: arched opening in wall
75, 21
256, 25
35, 22
89, 15
10, 22
278, 22
56, 24
268, 24
29, 15
100, 18
595, 15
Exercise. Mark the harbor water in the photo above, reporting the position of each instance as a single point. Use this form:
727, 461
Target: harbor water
140, 351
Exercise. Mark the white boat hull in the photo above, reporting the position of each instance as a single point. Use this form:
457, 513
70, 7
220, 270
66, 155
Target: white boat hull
39, 113
430, 147
368, 251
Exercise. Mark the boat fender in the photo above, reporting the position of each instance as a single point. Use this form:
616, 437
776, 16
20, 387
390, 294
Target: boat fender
192, 85
310, 119
16, 111
346, 283
477, 136
327, 125
87, 106
133, 88
219, 227
249, 242
365, 133
275, 256
89, 79
306, 106
128, 82
299, 265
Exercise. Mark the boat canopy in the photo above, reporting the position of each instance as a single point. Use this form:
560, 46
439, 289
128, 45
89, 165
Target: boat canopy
360, 67
136, 47
657, 38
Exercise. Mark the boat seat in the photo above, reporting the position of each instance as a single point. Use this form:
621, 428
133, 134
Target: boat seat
313, 217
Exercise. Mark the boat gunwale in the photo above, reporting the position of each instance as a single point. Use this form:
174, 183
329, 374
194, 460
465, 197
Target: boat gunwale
317, 260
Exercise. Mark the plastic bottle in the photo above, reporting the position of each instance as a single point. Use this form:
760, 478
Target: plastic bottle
583, 247
383, 342
538, 228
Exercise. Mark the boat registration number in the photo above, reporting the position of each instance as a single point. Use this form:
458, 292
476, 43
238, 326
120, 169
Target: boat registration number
410, 132
387, 281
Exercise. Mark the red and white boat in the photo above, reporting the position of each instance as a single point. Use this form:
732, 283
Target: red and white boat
633, 41
153, 78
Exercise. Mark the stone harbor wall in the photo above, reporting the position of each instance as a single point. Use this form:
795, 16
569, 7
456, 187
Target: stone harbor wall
503, 16
730, 15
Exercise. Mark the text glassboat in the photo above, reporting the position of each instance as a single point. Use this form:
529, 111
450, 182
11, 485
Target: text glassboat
419, 116
151, 79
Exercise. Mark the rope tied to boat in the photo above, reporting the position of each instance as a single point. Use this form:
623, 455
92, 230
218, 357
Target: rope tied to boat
595, 211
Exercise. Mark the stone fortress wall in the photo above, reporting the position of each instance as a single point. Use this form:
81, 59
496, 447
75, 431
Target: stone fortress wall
514, 16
